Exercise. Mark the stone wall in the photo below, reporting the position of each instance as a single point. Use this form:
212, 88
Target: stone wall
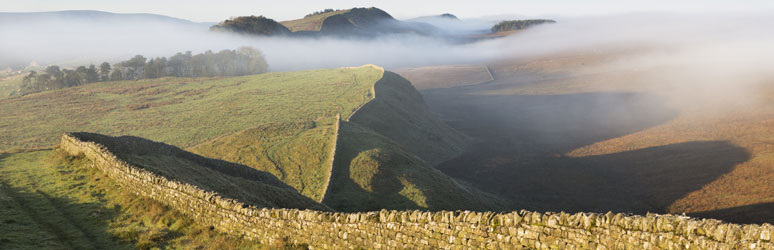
428, 230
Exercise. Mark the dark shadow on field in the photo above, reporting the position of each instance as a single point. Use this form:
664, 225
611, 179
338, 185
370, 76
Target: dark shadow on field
31, 218
748, 214
521, 142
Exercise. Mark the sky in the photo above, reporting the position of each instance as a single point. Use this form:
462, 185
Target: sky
215, 11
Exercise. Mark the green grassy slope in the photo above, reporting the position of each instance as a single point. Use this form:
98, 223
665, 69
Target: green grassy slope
281, 123
229, 180
9, 85
183, 112
205, 115
312, 23
283, 150
52, 201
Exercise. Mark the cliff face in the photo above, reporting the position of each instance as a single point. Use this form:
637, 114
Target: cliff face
413, 229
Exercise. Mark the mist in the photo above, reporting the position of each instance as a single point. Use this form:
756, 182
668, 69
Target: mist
717, 46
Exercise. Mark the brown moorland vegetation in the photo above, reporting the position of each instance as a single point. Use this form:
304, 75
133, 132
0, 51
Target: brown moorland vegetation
577, 132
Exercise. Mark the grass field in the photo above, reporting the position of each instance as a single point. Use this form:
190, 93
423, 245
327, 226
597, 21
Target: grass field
9, 85
312, 23
183, 112
53, 201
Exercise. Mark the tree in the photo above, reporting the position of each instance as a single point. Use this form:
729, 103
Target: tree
30, 78
149, 70
256, 64
73, 77
104, 71
116, 75
137, 65
91, 74
55, 79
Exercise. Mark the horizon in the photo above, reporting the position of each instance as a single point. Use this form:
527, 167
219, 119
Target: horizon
491, 9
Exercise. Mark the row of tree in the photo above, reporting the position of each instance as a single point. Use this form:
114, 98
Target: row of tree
244, 61
519, 24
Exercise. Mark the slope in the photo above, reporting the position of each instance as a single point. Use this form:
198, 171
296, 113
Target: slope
50, 200
310, 23
229, 180
385, 155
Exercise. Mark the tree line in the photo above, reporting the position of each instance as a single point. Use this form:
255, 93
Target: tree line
243, 61
519, 24
321, 12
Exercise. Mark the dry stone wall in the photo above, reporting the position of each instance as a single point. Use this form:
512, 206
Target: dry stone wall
428, 230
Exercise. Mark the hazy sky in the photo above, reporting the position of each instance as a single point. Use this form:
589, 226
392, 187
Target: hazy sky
213, 11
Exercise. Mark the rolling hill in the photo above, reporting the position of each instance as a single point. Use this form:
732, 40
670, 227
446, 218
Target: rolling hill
284, 123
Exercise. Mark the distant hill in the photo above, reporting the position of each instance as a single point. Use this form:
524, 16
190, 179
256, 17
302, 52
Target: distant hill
449, 23
355, 22
252, 25
74, 28
94, 16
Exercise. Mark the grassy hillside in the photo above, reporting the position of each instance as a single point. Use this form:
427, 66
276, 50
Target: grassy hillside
283, 150
281, 123
202, 113
310, 23
180, 111
54, 201
229, 180
9, 85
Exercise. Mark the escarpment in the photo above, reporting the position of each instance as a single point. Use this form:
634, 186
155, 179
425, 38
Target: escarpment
386, 229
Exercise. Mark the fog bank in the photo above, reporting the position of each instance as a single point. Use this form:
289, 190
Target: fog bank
720, 41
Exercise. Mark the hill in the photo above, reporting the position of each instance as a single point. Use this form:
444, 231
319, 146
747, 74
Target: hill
252, 25
387, 152
90, 16
357, 22
282, 123
311, 22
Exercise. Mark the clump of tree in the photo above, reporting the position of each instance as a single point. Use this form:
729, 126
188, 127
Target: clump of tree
243, 61
321, 12
449, 16
252, 25
519, 24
